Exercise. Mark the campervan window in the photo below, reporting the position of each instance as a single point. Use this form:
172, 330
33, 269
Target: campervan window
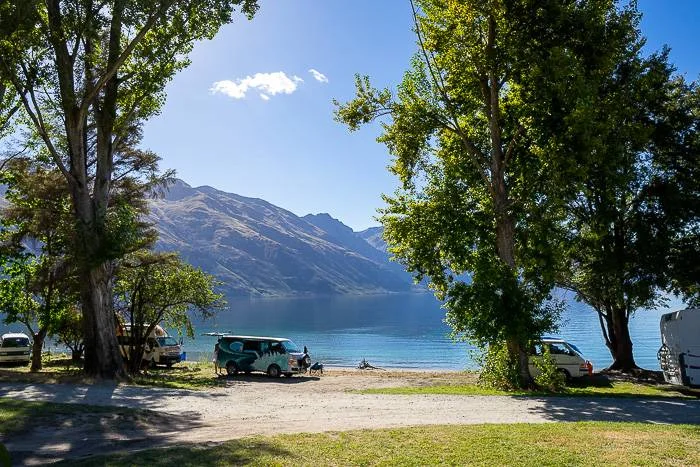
166, 341
15, 342
251, 345
290, 347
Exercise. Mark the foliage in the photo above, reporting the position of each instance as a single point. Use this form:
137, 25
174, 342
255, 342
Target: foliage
549, 377
633, 226
156, 287
69, 330
38, 284
498, 369
484, 134
88, 74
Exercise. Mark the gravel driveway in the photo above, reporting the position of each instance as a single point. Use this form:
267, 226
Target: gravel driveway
253, 405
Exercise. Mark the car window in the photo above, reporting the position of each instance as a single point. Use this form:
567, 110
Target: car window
264, 347
536, 350
251, 345
15, 342
167, 341
290, 347
560, 349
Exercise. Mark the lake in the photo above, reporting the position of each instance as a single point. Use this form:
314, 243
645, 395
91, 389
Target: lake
395, 331
398, 331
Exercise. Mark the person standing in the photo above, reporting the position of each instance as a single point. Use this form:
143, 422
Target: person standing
217, 369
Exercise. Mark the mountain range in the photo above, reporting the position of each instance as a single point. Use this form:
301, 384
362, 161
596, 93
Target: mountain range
257, 249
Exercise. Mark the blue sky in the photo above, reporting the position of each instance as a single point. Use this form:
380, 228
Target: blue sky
284, 146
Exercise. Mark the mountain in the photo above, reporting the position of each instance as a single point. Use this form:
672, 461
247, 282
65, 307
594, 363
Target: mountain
258, 249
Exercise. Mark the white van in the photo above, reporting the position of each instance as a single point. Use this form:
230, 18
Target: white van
161, 348
679, 355
15, 347
567, 357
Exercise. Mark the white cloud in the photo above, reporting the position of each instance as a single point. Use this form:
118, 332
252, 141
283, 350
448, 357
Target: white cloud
318, 76
268, 83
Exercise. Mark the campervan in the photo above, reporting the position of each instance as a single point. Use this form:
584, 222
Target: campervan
15, 348
568, 359
161, 348
679, 355
272, 355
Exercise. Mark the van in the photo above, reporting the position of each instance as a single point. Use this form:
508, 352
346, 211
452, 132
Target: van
15, 347
272, 355
161, 348
567, 358
679, 355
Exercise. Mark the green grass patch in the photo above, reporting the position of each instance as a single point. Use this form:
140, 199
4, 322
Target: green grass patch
612, 389
582, 443
58, 368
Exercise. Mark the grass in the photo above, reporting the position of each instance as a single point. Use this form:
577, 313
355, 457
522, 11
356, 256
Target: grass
18, 416
581, 443
58, 368
607, 389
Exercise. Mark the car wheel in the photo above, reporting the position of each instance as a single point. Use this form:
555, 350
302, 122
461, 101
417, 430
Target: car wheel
566, 374
273, 371
231, 368
169, 365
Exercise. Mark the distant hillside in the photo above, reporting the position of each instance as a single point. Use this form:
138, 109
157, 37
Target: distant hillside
258, 249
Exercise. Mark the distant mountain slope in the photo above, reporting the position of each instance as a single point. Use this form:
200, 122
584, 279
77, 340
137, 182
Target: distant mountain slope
373, 236
258, 249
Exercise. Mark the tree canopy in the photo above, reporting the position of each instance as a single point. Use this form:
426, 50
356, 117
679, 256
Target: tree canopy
485, 130
87, 75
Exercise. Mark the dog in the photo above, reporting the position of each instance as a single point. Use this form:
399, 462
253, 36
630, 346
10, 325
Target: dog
316, 368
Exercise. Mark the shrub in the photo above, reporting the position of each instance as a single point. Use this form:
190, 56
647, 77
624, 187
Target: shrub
549, 377
498, 370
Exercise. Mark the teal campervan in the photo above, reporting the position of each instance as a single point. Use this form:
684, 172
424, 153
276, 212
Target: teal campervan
272, 355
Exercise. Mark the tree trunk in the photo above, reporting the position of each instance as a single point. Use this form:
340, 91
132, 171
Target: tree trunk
102, 356
76, 354
37, 347
620, 342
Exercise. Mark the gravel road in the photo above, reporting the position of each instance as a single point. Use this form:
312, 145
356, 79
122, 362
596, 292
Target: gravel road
251, 405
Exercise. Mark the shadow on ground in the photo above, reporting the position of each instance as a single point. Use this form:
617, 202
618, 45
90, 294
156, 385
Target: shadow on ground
619, 409
45, 433
234, 452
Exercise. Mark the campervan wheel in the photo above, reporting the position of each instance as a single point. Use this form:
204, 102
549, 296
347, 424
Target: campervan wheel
232, 368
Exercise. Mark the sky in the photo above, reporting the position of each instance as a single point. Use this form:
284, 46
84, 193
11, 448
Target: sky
253, 113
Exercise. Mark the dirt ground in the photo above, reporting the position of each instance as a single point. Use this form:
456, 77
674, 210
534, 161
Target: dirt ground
254, 404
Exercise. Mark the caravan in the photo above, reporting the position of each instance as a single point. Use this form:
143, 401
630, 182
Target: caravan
679, 355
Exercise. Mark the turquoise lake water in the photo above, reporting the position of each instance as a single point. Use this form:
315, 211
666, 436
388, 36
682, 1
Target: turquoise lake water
398, 331
394, 331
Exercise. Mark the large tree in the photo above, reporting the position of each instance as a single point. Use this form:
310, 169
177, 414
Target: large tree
87, 73
634, 224
482, 138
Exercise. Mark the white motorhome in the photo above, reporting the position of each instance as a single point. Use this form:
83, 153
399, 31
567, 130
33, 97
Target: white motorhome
161, 348
679, 355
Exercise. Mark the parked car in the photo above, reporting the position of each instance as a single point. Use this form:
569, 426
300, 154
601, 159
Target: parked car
161, 348
679, 355
15, 347
567, 357
272, 355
